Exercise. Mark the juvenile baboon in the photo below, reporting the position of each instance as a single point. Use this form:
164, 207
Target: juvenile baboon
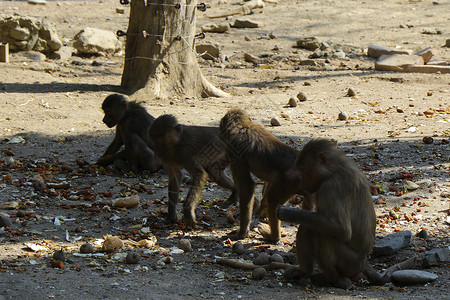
200, 151
132, 122
253, 149
339, 233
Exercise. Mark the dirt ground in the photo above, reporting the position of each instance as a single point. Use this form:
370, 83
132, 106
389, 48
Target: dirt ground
51, 124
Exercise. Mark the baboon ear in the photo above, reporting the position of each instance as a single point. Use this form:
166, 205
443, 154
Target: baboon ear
124, 104
323, 158
178, 128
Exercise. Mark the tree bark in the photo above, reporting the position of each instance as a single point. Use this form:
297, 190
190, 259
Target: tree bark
160, 60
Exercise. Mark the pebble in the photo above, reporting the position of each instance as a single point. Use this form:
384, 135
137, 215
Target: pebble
342, 116
38, 183
111, 243
310, 43
427, 140
259, 273
59, 255
37, 2
120, 10
5, 221
185, 245
436, 257
392, 243
413, 277
411, 186
351, 92
276, 258
262, 259
275, 122
302, 97
238, 248
132, 258
216, 28
244, 23
86, 248
423, 234
292, 102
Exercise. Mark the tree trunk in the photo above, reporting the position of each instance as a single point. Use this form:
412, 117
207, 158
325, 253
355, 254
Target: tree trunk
160, 60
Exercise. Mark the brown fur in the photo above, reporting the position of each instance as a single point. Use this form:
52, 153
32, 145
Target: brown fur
256, 150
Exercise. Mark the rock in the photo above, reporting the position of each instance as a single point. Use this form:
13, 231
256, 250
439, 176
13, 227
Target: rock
309, 43
185, 245
338, 54
423, 234
343, 116
112, 243
34, 55
9, 205
276, 258
244, 23
132, 258
392, 243
411, 186
120, 10
20, 33
127, 202
59, 255
216, 28
262, 259
38, 183
436, 257
351, 92
5, 221
259, 273
93, 41
292, 102
308, 62
208, 50
251, 58
426, 54
409, 277
301, 96
447, 43
238, 248
64, 53
86, 248
275, 122
375, 51
427, 140
37, 2
397, 62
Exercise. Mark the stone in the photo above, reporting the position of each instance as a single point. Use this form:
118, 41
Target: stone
426, 54
410, 277
120, 10
86, 248
276, 258
436, 257
20, 33
248, 57
112, 243
262, 259
301, 96
64, 53
244, 23
5, 221
292, 102
132, 258
208, 50
343, 116
309, 43
351, 92
392, 243
375, 51
397, 62
185, 245
259, 273
93, 41
127, 202
308, 62
411, 185
38, 183
216, 28
275, 122
238, 248
59, 255
447, 43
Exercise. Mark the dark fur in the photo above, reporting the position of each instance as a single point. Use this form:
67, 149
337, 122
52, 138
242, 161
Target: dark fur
200, 151
132, 122
340, 232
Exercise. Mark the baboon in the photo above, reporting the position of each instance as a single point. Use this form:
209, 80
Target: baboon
339, 233
132, 122
200, 151
253, 149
